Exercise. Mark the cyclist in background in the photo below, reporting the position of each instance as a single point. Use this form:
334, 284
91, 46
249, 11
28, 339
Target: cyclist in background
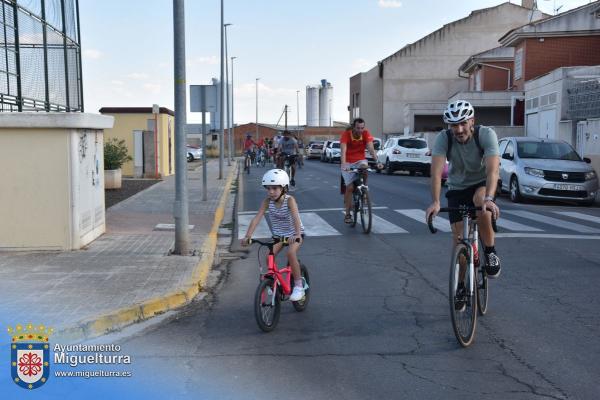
288, 148
474, 158
353, 143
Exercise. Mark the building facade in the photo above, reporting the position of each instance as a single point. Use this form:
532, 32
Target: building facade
417, 81
149, 137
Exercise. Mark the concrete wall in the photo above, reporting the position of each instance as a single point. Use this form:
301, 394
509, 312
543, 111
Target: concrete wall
591, 142
426, 71
53, 182
371, 101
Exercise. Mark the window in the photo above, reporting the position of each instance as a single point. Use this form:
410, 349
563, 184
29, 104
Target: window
547, 150
510, 149
502, 145
518, 64
412, 143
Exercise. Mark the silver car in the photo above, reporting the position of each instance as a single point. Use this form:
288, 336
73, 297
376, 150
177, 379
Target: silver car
193, 153
545, 169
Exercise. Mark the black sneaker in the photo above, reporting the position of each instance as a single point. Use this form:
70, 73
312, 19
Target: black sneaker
293, 182
492, 265
460, 299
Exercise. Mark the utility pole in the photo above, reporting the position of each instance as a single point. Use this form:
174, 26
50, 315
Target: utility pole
285, 112
257, 109
227, 98
180, 208
222, 102
232, 136
297, 114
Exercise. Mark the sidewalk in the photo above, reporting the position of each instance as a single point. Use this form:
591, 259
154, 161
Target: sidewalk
126, 275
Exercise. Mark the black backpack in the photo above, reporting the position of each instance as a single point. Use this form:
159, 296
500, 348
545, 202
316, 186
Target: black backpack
475, 136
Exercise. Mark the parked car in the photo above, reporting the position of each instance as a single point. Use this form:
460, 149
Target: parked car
193, 153
333, 152
314, 150
326, 144
405, 154
545, 169
377, 146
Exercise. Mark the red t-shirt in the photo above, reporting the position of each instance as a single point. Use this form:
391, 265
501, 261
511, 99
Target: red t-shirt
355, 149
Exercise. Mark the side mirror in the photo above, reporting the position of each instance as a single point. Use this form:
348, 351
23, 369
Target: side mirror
587, 160
507, 156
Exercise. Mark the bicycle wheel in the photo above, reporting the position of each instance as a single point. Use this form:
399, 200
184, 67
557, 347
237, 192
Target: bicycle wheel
267, 306
365, 212
482, 284
463, 321
300, 305
248, 162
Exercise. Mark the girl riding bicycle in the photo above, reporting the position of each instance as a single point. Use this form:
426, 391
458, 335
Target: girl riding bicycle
285, 222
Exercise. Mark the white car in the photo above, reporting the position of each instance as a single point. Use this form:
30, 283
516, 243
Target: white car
405, 154
314, 150
333, 152
193, 153
377, 147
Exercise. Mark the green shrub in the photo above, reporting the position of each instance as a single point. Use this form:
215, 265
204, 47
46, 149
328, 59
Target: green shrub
115, 154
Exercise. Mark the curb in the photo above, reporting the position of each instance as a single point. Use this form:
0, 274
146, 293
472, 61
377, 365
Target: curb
103, 324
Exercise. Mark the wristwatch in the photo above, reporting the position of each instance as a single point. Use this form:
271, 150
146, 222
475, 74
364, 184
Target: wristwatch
489, 198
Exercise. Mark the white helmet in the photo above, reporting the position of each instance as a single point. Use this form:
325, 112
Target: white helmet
276, 177
458, 111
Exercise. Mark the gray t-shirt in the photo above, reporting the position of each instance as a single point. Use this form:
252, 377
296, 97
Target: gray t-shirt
288, 146
467, 167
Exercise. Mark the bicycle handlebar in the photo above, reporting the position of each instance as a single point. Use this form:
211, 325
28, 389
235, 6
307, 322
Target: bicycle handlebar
272, 242
462, 210
360, 169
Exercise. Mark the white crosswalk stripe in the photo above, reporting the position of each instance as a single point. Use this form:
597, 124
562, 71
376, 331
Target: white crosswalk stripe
262, 230
582, 216
314, 225
380, 225
553, 221
515, 226
440, 223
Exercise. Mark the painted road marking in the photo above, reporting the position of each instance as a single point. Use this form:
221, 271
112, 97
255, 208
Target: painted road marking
515, 226
585, 217
314, 225
262, 230
380, 225
419, 215
553, 221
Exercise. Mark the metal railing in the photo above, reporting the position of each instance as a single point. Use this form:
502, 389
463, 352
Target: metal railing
40, 56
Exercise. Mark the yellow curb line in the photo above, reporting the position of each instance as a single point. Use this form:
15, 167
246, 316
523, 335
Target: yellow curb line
193, 286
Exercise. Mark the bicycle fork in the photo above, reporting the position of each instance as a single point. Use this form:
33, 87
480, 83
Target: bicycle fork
470, 264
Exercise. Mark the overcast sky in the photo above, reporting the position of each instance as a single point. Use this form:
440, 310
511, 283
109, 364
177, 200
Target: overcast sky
288, 44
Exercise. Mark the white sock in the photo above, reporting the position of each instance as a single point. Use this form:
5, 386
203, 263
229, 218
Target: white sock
298, 283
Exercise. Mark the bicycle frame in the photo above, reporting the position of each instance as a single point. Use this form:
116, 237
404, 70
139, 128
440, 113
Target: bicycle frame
285, 282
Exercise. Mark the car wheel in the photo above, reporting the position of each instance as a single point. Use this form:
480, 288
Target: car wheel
388, 167
443, 182
515, 193
427, 172
411, 172
190, 157
499, 188
587, 203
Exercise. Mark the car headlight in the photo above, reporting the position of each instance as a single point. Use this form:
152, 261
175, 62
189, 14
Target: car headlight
534, 172
590, 175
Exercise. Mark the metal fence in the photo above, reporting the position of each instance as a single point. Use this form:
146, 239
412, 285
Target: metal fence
584, 98
40, 56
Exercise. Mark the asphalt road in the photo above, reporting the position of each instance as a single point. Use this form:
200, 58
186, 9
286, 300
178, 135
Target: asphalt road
378, 324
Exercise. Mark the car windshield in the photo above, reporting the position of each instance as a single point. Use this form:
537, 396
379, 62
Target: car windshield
335, 145
412, 143
547, 150
317, 146
376, 145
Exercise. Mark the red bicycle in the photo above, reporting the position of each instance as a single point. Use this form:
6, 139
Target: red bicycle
276, 286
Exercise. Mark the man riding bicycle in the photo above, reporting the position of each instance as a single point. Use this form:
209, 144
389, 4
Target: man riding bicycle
353, 143
473, 154
288, 147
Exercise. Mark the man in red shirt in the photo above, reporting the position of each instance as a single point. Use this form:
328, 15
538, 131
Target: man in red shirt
353, 143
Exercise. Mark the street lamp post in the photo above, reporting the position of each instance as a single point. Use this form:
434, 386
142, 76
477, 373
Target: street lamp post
297, 112
232, 136
222, 101
257, 109
227, 98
